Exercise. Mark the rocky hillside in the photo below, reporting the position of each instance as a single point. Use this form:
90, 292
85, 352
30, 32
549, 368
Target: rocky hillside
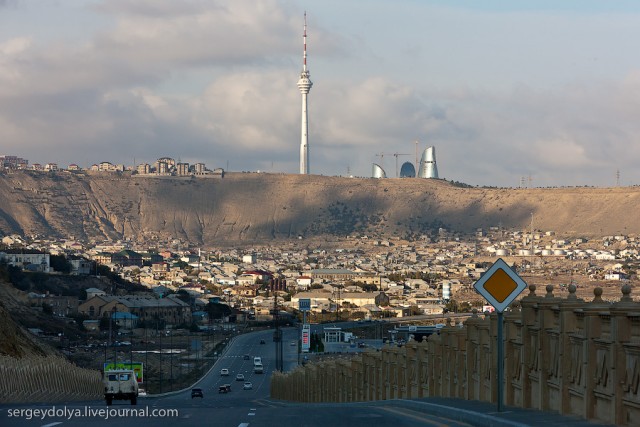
250, 207
15, 341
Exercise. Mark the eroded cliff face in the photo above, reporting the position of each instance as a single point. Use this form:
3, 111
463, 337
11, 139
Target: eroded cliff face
243, 207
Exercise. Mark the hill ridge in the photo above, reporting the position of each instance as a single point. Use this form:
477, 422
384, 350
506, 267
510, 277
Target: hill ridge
259, 207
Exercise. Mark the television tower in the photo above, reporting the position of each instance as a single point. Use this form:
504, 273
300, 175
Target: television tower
304, 84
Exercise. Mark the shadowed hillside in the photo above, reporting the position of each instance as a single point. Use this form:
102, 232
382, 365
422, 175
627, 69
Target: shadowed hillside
249, 207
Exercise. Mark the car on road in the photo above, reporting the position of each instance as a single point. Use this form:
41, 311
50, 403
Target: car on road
246, 357
293, 343
224, 372
196, 392
262, 341
247, 386
240, 377
222, 389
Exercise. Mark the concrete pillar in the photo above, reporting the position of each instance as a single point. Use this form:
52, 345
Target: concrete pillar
627, 349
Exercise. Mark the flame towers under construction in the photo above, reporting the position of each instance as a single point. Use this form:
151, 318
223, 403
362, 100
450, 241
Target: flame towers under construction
428, 167
304, 84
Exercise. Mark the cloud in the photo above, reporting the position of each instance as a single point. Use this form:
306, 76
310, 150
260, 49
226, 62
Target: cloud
216, 82
167, 34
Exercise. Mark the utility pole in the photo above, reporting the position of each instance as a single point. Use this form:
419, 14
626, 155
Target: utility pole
115, 348
277, 335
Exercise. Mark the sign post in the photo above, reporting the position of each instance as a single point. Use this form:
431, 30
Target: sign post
500, 285
304, 305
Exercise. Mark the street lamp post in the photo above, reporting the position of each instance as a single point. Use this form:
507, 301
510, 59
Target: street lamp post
131, 339
171, 357
115, 348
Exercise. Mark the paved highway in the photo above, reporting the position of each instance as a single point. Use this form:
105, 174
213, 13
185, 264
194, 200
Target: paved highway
238, 408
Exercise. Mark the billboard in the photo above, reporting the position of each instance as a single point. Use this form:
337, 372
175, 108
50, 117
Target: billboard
136, 366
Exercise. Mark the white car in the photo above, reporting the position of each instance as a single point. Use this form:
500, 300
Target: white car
247, 386
224, 372
240, 377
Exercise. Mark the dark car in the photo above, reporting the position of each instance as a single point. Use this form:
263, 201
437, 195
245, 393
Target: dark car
222, 389
262, 342
246, 357
196, 392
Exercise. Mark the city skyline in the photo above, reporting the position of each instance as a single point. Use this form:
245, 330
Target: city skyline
534, 92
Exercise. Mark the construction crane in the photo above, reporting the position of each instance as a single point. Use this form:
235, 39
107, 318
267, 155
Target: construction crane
381, 155
396, 156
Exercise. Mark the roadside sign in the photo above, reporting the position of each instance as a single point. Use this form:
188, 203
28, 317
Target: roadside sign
500, 285
137, 367
304, 304
306, 337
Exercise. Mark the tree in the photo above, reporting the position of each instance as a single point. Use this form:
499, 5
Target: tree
47, 309
218, 311
60, 263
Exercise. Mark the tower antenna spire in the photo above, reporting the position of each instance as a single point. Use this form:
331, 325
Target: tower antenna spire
304, 43
304, 84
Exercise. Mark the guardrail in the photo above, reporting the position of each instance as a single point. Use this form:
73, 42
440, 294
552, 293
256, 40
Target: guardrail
561, 354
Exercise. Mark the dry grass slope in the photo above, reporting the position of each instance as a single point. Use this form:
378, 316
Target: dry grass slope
245, 208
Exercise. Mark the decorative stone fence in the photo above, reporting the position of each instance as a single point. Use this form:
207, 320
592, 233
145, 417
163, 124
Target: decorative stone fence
564, 355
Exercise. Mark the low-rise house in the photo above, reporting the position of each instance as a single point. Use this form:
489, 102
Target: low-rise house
170, 309
81, 266
39, 261
62, 306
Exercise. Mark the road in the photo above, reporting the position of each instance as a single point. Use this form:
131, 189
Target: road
238, 408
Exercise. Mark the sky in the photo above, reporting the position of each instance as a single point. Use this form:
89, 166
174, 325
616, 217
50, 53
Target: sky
527, 93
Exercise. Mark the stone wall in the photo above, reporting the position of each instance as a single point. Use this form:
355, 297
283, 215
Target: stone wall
564, 355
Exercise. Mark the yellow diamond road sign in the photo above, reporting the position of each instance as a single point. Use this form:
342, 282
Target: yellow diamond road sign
500, 285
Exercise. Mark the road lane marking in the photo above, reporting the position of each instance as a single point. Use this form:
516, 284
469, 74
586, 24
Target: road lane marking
421, 417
